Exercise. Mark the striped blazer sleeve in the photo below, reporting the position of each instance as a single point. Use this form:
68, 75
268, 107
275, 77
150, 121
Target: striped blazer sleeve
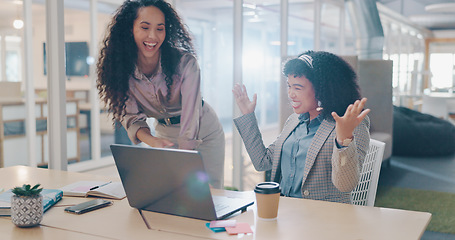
248, 128
330, 173
347, 162
264, 158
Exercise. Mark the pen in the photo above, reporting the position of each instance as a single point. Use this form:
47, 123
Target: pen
102, 185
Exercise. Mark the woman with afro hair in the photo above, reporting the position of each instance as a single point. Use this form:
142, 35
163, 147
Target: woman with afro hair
321, 149
147, 68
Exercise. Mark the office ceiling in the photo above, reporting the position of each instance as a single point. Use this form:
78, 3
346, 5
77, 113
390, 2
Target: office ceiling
427, 13
432, 14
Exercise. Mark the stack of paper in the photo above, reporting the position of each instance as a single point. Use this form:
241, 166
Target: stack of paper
5, 208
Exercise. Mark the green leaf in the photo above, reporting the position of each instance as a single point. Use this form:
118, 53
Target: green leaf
26, 190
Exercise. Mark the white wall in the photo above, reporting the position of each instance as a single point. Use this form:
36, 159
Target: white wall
77, 29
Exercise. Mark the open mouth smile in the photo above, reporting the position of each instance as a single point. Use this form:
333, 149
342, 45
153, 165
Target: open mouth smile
149, 45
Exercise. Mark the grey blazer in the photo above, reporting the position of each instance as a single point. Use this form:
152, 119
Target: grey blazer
330, 173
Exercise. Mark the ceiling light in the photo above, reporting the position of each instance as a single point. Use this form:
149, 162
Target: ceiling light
278, 43
249, 5
18, 24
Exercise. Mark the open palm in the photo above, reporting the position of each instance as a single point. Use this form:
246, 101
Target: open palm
241, 97
354, 115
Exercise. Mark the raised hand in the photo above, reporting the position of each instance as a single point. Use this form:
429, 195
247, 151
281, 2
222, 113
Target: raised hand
241, 97
351, 119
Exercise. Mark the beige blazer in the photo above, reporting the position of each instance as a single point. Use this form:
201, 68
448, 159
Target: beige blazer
330, 173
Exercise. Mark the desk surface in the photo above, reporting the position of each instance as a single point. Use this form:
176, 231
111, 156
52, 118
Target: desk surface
296, 217
446, 95
118, 221
8, 231
313, 219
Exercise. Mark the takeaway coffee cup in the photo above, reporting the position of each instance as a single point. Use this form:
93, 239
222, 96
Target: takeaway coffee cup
267, 199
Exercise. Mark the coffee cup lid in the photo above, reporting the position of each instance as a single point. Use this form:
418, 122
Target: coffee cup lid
267, 188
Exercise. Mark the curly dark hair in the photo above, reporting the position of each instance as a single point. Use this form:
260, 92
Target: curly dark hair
334, 81
118, 56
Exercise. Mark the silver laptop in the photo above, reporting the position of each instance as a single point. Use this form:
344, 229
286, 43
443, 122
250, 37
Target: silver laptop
171, 181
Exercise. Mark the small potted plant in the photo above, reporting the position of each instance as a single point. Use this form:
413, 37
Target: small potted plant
27, 205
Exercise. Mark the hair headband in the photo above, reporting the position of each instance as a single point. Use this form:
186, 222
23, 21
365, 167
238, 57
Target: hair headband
307, 59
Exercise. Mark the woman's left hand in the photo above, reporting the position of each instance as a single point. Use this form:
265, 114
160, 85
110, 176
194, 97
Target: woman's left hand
353, 116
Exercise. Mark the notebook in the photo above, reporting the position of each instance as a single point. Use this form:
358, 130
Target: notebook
113, 190
50, 198
171, 181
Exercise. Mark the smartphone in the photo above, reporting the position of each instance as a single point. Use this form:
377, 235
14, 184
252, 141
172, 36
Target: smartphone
88, 206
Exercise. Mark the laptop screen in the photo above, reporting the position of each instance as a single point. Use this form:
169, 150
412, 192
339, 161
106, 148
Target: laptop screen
171, 181
165, 180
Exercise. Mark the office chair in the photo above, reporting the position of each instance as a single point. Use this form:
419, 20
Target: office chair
365, 192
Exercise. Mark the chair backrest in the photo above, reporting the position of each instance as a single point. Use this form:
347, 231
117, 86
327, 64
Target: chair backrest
365, 192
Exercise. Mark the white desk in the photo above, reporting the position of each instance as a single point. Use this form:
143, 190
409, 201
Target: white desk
439, 104
445, 95
297, 218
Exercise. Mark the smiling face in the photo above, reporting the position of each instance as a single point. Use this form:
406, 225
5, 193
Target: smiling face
302, 96
149, 33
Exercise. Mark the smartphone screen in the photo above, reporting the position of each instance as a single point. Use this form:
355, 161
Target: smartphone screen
88, 206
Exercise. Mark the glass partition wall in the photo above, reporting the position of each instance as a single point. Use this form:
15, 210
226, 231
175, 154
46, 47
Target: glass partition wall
211, 23
212, 28
311, 24
301, 27
404, 44
13, 58
77, 40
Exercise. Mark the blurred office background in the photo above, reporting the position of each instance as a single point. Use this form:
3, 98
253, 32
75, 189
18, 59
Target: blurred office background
236, 41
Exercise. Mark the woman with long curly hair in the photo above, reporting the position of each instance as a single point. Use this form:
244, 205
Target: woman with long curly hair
147, 69
318, 154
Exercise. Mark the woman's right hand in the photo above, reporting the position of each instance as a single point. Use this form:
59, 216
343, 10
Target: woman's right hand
160, 143
241, 97
144, 135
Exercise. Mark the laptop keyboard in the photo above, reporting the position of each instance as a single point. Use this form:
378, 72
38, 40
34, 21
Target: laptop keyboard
220, 203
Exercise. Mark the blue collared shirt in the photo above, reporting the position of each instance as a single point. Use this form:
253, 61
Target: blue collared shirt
293, 155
